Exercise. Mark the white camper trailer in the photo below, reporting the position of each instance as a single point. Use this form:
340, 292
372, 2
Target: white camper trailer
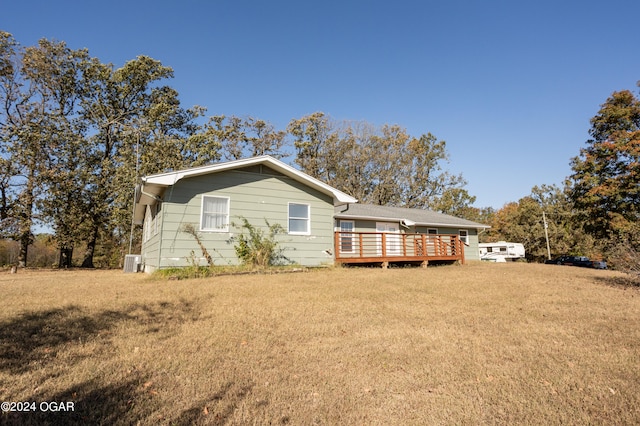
501, 251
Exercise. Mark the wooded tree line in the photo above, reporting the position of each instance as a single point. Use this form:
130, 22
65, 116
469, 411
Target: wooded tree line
76, 134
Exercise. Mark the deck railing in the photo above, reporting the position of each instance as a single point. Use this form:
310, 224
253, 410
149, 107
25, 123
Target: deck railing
385, 247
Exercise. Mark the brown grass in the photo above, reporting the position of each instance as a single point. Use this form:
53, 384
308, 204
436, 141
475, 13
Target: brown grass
473, 344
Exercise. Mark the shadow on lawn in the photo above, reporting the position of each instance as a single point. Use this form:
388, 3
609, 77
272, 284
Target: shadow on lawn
217, 408
626, 281
91, 403
130, 403
31, 341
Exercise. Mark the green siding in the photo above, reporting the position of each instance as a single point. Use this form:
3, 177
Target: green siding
251, 195
151, 243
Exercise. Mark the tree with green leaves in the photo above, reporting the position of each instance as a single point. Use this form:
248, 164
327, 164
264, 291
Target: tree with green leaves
427, 185
312, 134
605, 184
164, 137
524, 222
335, 153
239, 138
24, 146
137, 127
75, 134
56, 71
114, 107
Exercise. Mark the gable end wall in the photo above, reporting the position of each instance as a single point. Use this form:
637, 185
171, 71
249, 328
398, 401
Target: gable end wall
255, 196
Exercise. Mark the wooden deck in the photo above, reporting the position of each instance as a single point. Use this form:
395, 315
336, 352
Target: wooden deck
386, 248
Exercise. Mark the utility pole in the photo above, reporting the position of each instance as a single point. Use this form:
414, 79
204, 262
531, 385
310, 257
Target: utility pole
546, 234
135, 191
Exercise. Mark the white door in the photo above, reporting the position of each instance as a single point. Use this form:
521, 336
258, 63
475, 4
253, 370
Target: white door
393, 246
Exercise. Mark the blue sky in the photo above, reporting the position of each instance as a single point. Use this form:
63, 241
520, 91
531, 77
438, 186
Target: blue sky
509, 85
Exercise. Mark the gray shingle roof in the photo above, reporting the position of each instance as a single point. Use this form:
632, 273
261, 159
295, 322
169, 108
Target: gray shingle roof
419, 216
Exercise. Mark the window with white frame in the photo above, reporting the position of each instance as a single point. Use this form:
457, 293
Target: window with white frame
215, 214
299, 219
346, 236
464, 234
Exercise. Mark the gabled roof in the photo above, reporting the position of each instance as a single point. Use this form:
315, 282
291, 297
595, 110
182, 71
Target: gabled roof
154, 185
408, 217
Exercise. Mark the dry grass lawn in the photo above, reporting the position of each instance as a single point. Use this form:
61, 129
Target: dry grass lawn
474, 344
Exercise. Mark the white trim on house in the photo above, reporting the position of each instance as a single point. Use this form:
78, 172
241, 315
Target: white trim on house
224, 228
306, 219
347, 241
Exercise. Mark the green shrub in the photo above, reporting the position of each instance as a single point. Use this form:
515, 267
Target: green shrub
256, 248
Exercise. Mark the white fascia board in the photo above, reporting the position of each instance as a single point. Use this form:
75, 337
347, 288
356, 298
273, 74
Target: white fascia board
168, 179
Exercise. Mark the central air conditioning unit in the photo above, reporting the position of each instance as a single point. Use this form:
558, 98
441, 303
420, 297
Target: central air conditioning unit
132, 263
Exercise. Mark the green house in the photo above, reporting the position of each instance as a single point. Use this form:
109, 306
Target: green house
322, 224
214, 197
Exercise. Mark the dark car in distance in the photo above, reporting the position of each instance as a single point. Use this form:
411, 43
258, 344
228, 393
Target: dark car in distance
581, 261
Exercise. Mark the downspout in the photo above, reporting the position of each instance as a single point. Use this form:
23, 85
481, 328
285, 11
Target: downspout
347, 209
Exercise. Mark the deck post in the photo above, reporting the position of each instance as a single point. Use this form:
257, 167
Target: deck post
404, 245
384, 245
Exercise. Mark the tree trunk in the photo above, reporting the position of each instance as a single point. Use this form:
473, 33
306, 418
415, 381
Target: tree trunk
87, 262
66, 256
26, 220
25, 240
